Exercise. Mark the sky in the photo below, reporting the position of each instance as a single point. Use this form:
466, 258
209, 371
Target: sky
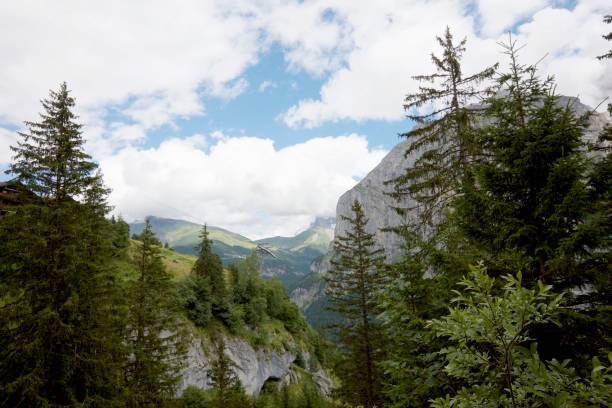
256, 115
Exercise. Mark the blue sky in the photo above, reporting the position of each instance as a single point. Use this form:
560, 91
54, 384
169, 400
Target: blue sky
272, 88
257, 116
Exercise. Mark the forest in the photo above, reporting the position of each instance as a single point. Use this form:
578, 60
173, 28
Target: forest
502, 297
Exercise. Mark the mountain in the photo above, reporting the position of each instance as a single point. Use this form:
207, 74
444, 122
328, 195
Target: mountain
378, 208
294, 254
183, 236
309, 293
317, 237
276, 356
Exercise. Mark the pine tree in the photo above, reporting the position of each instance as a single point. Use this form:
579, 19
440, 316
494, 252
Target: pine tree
353, 283
224, 380
607, 19
153, 335
530, 199
50, 160
442, 137
60, 344
532, 209
209, 268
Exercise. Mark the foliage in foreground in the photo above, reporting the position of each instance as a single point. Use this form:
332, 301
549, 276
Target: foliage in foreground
354, 282
496, 360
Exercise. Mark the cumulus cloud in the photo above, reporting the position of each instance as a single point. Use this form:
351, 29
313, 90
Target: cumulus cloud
498, 16
241, 183
137, 66
7, 139
146, 60
393, 39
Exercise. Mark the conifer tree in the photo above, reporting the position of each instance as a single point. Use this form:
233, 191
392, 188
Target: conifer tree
60, 344
152, 334
224, 380
536, 207
528, 207
442, 137
209, 269
49, 160
353, 284
607, 19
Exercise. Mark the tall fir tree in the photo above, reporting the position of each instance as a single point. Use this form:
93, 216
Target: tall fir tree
353, 284
60, 344
444, 150
442, 137
228, 390
528, 209
209, 269
153, 335
50, 160
532, 208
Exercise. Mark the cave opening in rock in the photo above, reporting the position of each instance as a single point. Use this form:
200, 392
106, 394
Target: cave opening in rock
271, 385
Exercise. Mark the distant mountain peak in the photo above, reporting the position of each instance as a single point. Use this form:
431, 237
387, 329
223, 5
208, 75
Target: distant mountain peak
323, 222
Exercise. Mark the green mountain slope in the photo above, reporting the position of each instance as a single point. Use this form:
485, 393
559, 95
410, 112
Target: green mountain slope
183, 236
316, 237
178, 264
294, 254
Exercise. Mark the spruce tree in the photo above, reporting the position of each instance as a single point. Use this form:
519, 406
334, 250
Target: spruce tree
153, 335
353, 284
60, 344
607, 19
228, 390
209, 270
442, 137
537, 207
531, 200
49, 160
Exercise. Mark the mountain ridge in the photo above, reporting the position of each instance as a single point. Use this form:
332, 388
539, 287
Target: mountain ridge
293, 254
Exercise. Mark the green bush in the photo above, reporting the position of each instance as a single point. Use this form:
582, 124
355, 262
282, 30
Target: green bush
492, 355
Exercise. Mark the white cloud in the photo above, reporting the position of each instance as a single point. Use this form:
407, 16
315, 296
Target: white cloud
497, 16
571, 39
149, 60
7, 138
315, 39
265, 85
137, 66
392, 41
241, 183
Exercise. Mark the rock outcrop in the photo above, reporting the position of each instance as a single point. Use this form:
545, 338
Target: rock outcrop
379, 209
378, 206
254, 366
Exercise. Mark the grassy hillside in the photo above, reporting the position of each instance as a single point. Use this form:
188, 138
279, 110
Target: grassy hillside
178, 264
317, 237
294, 254
183, 236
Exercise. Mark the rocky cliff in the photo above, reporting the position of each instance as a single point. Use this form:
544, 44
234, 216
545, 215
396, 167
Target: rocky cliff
378, 206
254, 365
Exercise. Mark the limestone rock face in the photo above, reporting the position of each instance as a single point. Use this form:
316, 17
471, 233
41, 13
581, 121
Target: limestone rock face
377, 205
303, 297
254, 366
